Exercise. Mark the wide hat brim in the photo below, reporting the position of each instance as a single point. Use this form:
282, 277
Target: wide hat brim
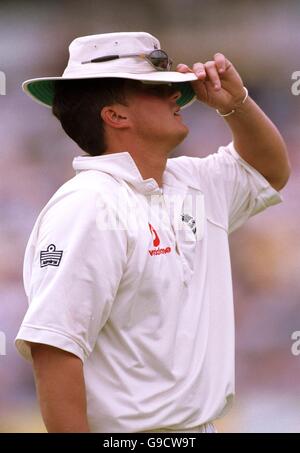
42, 89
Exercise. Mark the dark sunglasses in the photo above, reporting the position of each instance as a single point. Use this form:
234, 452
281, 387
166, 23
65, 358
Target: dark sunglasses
157, 58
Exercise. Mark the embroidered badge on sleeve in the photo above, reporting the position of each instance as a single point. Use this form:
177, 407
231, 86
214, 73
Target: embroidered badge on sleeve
51, 256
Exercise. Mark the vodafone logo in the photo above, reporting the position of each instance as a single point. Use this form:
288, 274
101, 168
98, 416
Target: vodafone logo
160, 251
156, 242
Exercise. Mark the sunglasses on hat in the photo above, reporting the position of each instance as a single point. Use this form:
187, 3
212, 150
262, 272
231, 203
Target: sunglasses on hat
157, 58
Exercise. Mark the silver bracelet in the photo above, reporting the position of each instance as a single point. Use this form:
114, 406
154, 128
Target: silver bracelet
234, 110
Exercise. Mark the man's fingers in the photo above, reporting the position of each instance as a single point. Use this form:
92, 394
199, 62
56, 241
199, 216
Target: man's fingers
210, 71
183, 68
199, 70
212, 74
220, 61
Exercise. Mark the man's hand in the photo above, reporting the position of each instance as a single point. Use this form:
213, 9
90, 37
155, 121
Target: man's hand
255, 137
219, 85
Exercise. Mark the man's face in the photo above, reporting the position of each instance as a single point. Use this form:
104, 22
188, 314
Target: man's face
154, 114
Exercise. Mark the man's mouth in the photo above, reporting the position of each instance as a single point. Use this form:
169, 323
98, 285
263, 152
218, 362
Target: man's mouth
177, 112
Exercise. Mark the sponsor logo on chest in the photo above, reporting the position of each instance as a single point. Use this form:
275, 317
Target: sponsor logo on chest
156, 243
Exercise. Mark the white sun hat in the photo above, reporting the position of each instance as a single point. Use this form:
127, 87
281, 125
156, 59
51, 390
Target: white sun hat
122, 55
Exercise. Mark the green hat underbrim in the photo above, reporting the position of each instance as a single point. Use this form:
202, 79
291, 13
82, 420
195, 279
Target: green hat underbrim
43, 92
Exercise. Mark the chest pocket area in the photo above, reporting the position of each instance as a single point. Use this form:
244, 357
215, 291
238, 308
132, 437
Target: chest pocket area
190, 231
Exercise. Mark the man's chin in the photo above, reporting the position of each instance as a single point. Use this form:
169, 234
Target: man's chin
182, 134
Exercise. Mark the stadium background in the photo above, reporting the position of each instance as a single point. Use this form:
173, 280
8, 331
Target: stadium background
262, 40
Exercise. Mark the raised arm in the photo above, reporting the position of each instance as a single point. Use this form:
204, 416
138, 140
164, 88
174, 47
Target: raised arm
61, 389
255, 137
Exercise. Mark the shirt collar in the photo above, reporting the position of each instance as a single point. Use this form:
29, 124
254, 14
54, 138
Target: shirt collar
121, 166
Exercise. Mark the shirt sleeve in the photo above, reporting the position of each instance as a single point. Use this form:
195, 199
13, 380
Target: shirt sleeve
72, 269
242, 190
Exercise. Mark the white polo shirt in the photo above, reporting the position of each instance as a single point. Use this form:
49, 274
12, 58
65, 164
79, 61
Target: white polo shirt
136, 282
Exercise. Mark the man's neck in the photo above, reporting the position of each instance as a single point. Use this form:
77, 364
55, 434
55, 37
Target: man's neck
149, 163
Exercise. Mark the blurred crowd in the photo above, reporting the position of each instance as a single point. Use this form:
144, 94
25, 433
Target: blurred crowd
262, 39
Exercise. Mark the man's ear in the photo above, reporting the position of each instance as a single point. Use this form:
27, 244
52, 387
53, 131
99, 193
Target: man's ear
115, 116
